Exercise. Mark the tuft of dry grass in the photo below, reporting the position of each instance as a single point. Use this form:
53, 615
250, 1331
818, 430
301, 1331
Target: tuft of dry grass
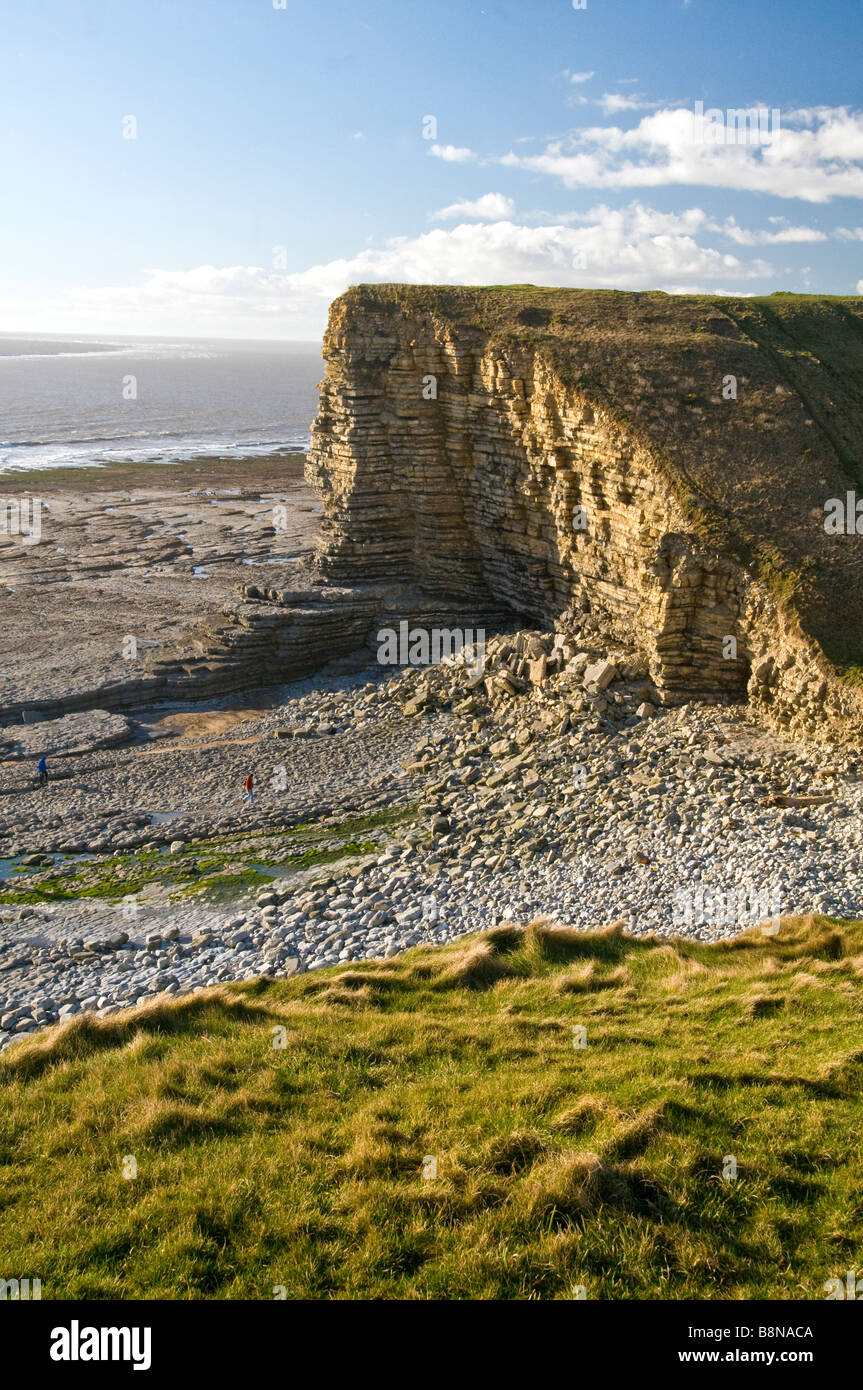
503, 1117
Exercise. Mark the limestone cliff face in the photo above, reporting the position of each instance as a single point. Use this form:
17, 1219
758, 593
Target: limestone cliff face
574, 457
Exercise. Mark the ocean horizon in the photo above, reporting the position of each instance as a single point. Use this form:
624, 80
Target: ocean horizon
82, 400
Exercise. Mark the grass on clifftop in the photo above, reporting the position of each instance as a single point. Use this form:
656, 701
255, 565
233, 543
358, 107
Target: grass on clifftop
557, 1166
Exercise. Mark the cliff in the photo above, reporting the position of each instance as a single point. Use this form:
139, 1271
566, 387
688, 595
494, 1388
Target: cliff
648, 469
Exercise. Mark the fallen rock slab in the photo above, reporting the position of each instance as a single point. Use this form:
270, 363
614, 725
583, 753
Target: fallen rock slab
600, 674
82, 732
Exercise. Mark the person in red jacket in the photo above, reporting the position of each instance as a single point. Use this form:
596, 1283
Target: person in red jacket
249, 793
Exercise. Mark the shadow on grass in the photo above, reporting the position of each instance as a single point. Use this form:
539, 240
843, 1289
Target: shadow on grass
211, 1011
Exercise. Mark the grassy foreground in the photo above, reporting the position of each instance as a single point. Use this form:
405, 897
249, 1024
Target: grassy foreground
558, 1166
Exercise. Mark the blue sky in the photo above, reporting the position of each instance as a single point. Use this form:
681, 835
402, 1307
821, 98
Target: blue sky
280, 155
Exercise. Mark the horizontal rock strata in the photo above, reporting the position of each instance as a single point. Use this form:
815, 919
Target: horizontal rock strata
523, 446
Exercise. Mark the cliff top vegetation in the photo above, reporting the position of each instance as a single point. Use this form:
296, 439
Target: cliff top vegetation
752, 410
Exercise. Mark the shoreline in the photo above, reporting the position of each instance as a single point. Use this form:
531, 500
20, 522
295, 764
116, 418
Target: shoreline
131, 473
155, 553
394, 806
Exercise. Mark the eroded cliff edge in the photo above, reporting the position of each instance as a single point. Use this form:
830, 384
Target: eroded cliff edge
461, 429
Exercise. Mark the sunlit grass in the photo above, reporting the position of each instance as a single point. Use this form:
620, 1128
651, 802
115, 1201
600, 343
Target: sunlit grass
301, 1167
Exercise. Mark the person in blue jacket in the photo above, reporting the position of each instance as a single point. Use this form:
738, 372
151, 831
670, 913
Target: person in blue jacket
42, 769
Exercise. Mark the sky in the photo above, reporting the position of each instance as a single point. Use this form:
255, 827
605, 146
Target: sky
227, 167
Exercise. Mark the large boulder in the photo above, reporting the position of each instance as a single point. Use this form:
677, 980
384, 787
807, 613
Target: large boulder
600, 674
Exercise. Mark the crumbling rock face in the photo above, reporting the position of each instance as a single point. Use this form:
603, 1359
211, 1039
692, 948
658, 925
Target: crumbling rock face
478, 492
461, 461
265, 638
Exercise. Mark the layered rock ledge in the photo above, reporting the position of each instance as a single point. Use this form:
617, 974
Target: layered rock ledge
648, 468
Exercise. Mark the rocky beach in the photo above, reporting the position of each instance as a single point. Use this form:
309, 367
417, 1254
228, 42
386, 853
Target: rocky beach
593, 757
392, 807
431, 676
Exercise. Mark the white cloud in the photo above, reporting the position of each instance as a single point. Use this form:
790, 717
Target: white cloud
491, 207
453, 154
785, 234
613, 102
860, 287
633, 248
849, 233
580, 76
815, 155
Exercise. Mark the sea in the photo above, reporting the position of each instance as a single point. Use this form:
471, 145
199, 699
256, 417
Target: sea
78, 401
